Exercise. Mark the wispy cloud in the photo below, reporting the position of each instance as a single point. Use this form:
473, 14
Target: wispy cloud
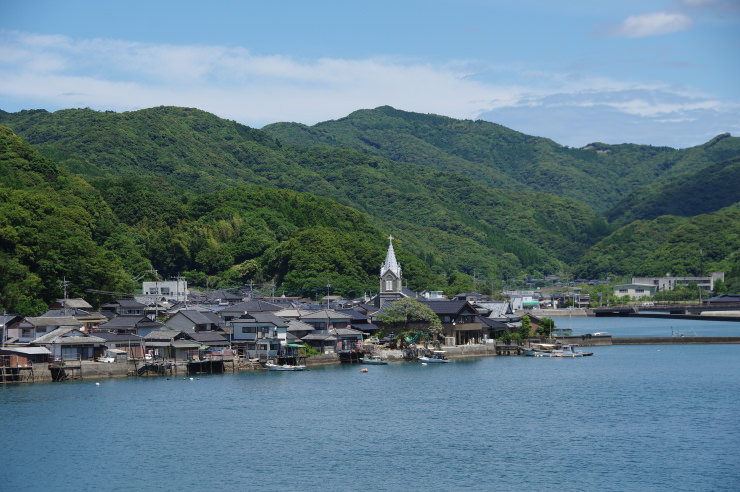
60, 72
653, 24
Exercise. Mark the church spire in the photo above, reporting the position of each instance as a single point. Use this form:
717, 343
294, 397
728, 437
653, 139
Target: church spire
390, 261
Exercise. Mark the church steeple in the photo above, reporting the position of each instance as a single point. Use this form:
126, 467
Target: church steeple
391, 264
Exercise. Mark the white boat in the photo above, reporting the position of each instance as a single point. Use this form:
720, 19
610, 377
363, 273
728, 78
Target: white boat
536, 349
284, 367
566, 351
375, 360
437, 358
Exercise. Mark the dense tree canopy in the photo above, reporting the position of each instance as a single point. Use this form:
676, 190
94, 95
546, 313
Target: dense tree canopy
182, 191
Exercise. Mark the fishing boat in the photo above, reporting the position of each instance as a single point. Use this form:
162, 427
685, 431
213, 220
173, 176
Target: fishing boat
284, 367
437, 357
375, 360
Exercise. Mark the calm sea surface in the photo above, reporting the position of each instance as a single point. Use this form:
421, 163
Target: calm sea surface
630, 418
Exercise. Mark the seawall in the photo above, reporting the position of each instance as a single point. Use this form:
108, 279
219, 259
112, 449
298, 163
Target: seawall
673, 340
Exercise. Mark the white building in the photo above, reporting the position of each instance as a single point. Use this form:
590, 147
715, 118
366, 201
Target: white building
171, 290
671, 283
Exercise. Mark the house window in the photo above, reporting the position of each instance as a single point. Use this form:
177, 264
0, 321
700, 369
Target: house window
622, 291
165, 291
153, 290
640, 291
389, 285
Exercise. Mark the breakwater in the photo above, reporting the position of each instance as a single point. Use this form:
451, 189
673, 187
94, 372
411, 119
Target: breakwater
673, 340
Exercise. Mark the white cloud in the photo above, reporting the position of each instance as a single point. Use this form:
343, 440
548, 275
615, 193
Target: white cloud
56, 72
652, 24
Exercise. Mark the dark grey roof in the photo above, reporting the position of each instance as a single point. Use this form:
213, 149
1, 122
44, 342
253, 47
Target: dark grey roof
355, 315
268, 318
67, 336
162, 335
319, 336
725, 298
201, 317
345, 331
109, 336
490, 323
446, 307
252, 307
295, 325
365, 327
129, 304
131, 323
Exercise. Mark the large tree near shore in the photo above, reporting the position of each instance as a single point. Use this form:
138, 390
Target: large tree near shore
408, 317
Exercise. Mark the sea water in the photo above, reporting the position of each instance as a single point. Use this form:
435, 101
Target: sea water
630, 418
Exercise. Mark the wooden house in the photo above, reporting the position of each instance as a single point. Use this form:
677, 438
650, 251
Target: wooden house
66, 343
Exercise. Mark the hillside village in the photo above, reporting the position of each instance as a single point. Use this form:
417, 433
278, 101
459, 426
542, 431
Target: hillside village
168, 322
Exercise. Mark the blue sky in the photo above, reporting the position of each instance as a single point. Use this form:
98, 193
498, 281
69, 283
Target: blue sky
658, 72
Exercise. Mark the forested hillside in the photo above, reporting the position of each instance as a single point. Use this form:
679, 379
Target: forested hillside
55, 228
712, 188
599, 175
454, 223
101, 197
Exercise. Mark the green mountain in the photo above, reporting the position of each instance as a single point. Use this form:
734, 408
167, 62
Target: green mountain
451, 221
52, 227
182, 191
669, 244
599, 175
56, 227
709, 189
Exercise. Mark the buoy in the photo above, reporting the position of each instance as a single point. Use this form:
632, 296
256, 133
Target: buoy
363, 370
423, 363
191, 379
97, 384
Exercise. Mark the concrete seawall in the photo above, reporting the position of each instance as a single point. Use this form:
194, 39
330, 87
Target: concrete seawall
673, 340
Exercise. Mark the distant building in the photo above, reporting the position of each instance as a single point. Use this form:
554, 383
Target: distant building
634, 291
671, 283
521, 299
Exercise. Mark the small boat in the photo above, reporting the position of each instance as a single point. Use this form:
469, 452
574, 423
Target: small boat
375, 359
536, 349
566, 351
284, 367
437, 357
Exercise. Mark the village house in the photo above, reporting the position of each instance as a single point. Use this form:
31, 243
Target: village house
171, 344
459, 319
192, 321
32, 328
10, 328
326, 319
78, 308
130, 342
258, 334
238, 310
123, 307
70, 343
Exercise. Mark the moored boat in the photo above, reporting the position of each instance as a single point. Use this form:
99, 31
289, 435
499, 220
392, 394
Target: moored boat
439, 356
375, 360
284, 367
566, 351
